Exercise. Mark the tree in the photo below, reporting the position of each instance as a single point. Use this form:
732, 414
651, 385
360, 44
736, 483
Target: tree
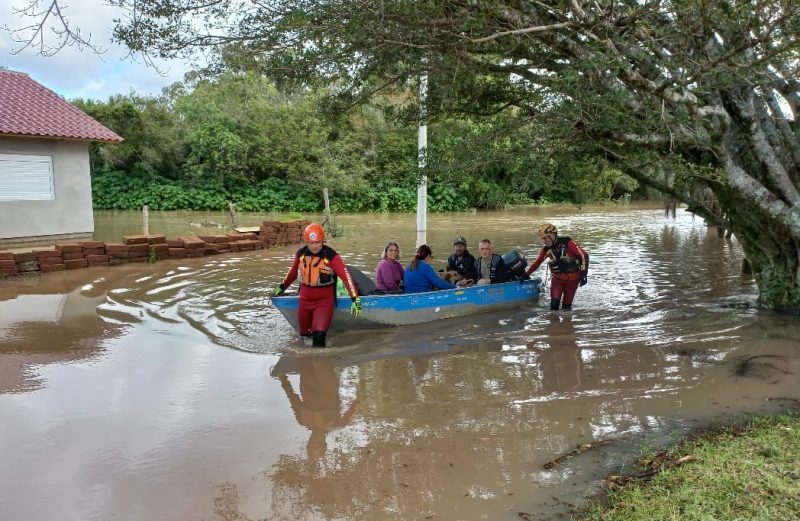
153, 143
707, 89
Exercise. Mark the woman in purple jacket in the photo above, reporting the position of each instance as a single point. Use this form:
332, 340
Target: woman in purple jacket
389, 273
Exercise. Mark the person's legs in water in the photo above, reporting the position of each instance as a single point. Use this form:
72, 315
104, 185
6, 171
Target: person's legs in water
570, 288
322, 313
556, 291
305, 312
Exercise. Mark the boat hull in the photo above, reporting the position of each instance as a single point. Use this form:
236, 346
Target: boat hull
417, 308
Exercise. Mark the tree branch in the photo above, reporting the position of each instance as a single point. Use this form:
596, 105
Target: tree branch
66, 35
524, 30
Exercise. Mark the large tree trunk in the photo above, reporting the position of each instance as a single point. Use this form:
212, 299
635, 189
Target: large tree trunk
760, 196
773, 256
770, 248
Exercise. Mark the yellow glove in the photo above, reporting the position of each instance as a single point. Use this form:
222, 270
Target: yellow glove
356, 308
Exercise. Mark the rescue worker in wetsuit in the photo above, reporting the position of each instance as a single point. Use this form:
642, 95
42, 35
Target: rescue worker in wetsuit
568, 263
462, 262
317, 265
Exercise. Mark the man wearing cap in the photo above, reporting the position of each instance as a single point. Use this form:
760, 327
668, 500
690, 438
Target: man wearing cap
462, 262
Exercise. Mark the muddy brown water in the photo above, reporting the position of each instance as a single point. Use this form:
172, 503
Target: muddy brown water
175, 392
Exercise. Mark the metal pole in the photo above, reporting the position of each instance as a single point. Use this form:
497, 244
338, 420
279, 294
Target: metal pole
422, 151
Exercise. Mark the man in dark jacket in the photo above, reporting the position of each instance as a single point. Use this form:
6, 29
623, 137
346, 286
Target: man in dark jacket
490, 266
462, 262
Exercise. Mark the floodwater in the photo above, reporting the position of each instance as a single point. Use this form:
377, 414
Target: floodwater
174, 391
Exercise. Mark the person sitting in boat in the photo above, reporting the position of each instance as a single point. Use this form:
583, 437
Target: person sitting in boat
318, 265
568, 263
419, 275
490, 266
389, 273
462, 262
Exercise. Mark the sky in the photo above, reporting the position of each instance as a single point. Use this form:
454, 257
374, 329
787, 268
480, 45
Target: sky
73, 73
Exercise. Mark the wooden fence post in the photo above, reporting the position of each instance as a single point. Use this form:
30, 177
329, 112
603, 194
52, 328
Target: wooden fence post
234, 218
327, 206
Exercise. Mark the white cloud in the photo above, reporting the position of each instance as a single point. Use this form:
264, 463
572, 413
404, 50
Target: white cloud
76, 73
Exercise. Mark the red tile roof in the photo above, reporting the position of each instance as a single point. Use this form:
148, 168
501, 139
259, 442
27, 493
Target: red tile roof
29, 109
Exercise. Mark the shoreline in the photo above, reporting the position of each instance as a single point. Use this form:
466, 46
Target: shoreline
740, 470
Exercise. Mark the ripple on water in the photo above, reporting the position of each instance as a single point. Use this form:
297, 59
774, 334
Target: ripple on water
651, 281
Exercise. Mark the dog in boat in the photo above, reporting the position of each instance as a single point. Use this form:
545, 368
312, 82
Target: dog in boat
451, 276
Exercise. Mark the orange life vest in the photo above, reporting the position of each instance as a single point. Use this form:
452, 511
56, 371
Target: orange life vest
316, 271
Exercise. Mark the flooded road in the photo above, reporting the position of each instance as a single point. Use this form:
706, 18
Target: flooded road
174, 391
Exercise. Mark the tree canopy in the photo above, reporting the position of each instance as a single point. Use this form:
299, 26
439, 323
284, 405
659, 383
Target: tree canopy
235, 137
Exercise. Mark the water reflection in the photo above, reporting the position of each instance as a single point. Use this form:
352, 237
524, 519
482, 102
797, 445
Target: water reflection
45, 320
561, 359
317, 407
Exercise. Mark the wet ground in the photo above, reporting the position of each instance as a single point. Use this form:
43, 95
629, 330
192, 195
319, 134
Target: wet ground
174, 391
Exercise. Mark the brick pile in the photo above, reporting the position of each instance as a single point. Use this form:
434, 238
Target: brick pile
280, 233
152, 248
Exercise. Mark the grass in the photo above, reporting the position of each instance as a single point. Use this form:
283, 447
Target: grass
750, 474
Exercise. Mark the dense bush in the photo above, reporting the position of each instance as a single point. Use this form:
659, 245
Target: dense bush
237, 138
121, 191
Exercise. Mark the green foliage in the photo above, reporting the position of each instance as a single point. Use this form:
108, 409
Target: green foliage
217, 154
121, 191
237, 138
586, 181
741, 473
153, 144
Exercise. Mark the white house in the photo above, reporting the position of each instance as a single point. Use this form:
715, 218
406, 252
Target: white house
45, 188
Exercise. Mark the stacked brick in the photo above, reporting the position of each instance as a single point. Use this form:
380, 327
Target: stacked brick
280, 233
147, 248
73, 255
216, 244
245, 242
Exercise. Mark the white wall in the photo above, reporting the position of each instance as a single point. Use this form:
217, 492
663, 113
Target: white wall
71, 210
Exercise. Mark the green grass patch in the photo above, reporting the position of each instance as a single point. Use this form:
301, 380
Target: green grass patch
739, 474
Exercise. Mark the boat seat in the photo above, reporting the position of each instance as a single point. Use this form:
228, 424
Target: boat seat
364, 284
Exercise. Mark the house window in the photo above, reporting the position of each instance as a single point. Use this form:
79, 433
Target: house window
26, 178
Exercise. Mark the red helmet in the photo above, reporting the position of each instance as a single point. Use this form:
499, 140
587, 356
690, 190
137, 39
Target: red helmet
313, 233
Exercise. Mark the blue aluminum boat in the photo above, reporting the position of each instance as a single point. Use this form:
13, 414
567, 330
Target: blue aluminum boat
416, 308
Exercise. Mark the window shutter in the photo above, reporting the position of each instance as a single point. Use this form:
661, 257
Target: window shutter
26, 178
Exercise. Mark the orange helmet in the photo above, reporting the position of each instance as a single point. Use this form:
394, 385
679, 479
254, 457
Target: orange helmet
313, 233
546, 229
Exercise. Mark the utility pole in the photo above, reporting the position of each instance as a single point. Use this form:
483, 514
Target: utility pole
422, 152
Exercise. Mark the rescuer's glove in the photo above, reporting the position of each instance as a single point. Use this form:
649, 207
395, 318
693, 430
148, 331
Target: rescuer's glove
277, 292
584, 276
356, 308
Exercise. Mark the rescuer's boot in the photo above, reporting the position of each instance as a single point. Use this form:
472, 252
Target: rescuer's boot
319, 338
